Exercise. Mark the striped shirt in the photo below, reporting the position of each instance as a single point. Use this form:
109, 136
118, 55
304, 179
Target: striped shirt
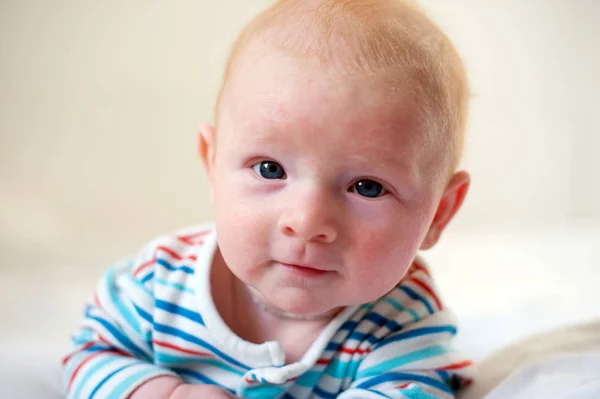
153, 316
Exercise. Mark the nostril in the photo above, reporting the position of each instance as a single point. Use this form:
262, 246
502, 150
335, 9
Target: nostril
288, 231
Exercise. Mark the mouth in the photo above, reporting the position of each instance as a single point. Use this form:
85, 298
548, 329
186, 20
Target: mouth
303, 271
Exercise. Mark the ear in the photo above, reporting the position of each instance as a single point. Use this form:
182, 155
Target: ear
206, 150
450, 203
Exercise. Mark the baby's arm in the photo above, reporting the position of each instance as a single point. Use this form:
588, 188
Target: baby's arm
112, 349
415, 362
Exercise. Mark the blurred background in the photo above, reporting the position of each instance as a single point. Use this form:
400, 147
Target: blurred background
99, 103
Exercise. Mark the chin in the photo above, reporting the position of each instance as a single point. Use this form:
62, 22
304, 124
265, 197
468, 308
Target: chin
303, 305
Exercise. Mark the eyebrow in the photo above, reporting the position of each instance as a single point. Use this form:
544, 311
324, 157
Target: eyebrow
265, 137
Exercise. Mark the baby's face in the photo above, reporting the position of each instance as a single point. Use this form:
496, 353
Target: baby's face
323, 186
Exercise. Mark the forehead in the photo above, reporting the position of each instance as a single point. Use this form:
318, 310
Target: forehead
267, 96
280, 89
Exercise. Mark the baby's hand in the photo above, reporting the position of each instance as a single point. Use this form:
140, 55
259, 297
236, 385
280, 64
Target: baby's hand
167, 387
193, 391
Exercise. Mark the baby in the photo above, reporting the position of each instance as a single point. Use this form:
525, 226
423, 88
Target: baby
332, 161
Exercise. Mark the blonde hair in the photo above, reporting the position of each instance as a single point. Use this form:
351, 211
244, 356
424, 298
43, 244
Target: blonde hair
393, 38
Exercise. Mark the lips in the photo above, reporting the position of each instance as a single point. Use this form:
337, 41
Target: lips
303, 270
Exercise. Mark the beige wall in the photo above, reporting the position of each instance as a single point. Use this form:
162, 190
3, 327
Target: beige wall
99, 101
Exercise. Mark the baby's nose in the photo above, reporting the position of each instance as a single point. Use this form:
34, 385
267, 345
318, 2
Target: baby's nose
310, 218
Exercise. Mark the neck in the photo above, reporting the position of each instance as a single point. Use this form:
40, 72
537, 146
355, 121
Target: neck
288, 315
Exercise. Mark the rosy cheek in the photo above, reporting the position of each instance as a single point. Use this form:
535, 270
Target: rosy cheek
384, 249
367, 252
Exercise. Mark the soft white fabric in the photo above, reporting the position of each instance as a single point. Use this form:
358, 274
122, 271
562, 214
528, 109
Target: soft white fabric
30, 375
567, 376
526, 361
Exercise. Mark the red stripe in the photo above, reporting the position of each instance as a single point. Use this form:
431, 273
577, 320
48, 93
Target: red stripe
323, 361
90, 357
144, 265
190, 241
83, 348
353, 351
180, 349
417, 266
402, 386
103, 340
185, 240
456, 366
191, 236
175, 255
429, 290
97, 301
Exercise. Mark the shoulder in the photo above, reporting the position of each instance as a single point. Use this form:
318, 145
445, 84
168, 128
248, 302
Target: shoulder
417, 292
408, 328
173, 252
414, 303
414, 298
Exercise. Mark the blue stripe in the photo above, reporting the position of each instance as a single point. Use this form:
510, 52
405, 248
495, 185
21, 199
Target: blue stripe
414, 392
168, 266
122, 339
332, 346
179, 311
91, 371
101, 383
400, 308
357, 336
417, 332
309, 379
172, 360
336, 368
140, 283
323, 393
77, 359
383, 321
129, 381
261, 391
177, 286
119, 304
201, 377
143, 314
413, 295
147, 277
421, 354
444, 375
85, 335
349, 325
340, 369
387, 377
78, 353
195, 340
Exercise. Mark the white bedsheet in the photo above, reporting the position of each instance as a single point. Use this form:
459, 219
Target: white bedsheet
566, 376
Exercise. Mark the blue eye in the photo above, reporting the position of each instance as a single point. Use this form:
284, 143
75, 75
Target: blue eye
269, 170
368, 188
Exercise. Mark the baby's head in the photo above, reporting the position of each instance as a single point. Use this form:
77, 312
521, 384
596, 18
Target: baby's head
339, 127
